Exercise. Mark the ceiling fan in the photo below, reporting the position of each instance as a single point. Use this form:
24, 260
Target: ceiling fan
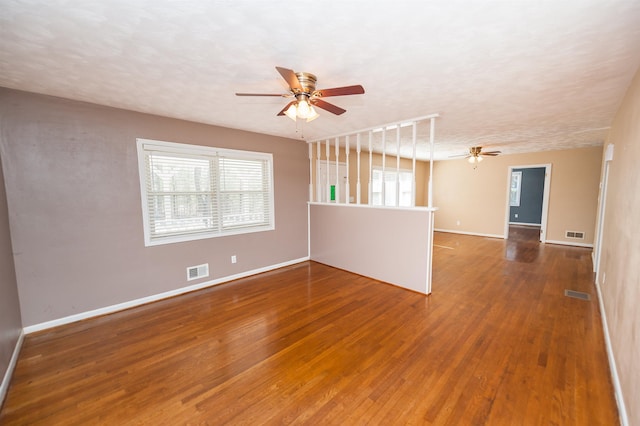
302, 88
475, 154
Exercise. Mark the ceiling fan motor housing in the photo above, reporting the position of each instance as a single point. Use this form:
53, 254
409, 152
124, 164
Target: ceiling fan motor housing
307, 81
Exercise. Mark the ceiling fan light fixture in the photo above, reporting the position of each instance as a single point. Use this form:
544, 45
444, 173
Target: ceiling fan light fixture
302, 87
472, 159
304, 109
291, 112
312, 114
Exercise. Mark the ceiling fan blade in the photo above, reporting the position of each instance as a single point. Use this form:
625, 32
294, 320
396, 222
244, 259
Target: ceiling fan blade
490, 153
286, 108
327, 106
460, 155
340, 91
260, 94
290, 77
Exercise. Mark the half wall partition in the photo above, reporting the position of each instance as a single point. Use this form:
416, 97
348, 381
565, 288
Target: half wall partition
370, 202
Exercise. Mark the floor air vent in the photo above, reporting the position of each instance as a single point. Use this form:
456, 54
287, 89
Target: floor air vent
577, 294
199, 271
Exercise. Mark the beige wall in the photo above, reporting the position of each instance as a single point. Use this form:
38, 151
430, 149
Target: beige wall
10, 324
73, 192
422, 171
619, 273
478, 198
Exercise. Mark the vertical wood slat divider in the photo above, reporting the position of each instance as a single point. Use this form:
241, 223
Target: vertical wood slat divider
347, 184
370, 189
318, 186
358, 189
413, 169
311, 172
398, 166
347, 189
328, 187
337, 170
431, 143
384, 165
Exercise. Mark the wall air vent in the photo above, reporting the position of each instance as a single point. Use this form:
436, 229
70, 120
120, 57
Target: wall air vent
574, 234
199, 271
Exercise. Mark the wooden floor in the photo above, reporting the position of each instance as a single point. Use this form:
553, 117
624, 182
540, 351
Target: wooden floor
496, 343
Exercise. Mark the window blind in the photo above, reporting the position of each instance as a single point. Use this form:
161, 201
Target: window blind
194, 192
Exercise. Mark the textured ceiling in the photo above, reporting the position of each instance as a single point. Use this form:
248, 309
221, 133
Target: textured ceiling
516, 76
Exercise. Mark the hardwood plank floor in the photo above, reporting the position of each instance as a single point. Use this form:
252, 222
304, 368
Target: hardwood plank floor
497, 343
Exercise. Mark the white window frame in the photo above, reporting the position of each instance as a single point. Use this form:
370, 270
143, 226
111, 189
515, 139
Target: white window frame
515, 188
395, 172
145, 146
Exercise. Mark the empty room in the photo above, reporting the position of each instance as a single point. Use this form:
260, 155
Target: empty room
217, 212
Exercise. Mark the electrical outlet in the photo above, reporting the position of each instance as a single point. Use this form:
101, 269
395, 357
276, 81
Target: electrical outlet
234, 259
458, 222
516, 215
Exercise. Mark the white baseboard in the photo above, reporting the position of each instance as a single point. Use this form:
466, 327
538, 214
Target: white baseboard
144, 300
525, 224
569, 243
4, 387
617, 388
476, 234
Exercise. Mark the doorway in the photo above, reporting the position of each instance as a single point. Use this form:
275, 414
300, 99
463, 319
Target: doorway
331, 184
528, 199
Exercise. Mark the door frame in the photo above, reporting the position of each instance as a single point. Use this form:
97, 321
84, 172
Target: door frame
602, 204
545, 198
322, 191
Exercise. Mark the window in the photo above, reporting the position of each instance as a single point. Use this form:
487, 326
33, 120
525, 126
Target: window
391, 190
514, 193
192, 192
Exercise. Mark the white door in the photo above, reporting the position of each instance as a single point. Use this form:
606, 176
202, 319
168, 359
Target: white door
332, 187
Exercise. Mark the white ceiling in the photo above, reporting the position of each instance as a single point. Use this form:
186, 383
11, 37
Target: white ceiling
517, 76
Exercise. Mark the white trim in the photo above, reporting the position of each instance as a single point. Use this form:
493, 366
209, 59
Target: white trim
617, 388
525, 224
475, 234
153, 298
4, 387
383, 126
368, 206
569, 243
602, 207
309, 230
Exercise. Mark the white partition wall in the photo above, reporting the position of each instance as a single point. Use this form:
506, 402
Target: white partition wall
391, 245
385, 237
